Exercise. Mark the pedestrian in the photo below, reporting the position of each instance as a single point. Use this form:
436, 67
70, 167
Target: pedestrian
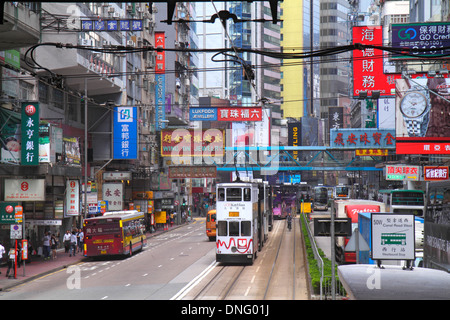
46, 245
11, 259
54, 244
73, 244
2, 252
81, 240
66, 240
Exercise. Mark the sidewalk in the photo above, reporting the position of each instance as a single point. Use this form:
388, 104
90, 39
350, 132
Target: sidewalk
40, 267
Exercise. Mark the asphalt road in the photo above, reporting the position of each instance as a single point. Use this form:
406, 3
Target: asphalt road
163, 268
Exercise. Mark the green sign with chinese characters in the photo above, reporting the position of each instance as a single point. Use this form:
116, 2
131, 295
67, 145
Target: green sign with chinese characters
7, 212
30, 134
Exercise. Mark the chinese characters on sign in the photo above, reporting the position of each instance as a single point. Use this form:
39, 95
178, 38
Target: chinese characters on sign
112, 25
402, 172
182, 142
72, 198
371, 152
182, 172
356, 138
30, 134
113, 193
427, 145
125, 133
368, 72
225, 114
429, 35
435, 173
160, 79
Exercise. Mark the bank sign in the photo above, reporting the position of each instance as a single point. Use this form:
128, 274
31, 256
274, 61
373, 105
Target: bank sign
125, 138
429, 35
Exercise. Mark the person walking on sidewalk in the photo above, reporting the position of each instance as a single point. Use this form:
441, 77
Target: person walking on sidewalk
80, 237
66, 240
46, 245
54, 244
73, 244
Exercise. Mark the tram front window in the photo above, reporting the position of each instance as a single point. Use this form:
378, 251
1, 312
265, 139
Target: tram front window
234, 194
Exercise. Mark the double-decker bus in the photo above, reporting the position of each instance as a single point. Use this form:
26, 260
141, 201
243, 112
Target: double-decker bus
404, 201
341, 192
320, 198
114, 233
238, 233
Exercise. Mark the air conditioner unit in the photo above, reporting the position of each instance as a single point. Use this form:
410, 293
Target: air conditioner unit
110, 9
130, 43
116, 15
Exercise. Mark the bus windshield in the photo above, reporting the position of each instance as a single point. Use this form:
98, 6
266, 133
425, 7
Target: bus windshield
408, 198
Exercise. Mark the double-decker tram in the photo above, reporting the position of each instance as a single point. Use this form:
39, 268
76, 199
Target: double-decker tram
240, 222
114, 233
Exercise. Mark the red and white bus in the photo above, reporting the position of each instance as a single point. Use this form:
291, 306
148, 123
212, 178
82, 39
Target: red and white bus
114, 233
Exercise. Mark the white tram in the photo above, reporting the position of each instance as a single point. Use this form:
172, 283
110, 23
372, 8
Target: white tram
240, 220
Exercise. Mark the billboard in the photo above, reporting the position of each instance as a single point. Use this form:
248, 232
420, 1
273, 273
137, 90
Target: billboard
188, 143
160, 81
422, 118
368, 71
362, 138
429, 35
125, 139
225, 114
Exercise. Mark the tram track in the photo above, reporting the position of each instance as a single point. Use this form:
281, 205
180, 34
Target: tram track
279, 272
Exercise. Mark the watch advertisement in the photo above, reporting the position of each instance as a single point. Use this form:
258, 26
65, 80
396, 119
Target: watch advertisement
423, 116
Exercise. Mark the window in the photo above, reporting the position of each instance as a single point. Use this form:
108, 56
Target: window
234, 228
247, 194
222, 228
246, 228
234, 194
221, 194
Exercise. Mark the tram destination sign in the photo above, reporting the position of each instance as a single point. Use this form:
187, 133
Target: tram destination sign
393, 236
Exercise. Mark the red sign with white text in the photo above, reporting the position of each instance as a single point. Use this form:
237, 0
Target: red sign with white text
368, 72
239, 114
423, 145
160, 42
434, 173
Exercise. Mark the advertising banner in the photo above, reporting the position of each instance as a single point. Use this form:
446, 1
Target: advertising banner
187, 143
368, 72
428, 35
113, 194
362, 138
30, 134
72, 204
24, 189
125, 139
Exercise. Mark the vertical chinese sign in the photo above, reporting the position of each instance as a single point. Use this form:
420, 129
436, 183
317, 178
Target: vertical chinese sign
125, 139
30, 133
72, 198
368, 72
160, 79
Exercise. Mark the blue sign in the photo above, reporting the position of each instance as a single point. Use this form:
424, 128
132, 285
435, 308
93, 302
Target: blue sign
125, 139
362, 138
112, 25
202, 114
429, 35
160, 108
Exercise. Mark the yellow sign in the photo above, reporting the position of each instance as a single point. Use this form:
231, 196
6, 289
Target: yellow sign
233, 214
160, 217
372, 152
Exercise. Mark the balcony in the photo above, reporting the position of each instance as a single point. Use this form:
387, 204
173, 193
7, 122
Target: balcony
21, 25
